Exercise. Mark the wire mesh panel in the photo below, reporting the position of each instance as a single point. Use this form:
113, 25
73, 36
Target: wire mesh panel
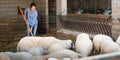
88, 23
88, 6
10, 28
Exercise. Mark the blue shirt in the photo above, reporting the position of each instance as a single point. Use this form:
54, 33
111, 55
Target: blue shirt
31, 18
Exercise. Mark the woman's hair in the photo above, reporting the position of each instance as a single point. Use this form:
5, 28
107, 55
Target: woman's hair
32, 4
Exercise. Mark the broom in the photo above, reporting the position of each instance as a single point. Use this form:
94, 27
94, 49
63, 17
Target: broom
25, 20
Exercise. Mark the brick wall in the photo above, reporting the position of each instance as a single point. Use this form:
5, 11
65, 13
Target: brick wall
10, 7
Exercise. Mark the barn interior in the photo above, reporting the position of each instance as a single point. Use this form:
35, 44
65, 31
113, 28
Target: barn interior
63, 19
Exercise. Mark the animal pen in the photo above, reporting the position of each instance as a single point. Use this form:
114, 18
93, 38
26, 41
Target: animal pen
91, 21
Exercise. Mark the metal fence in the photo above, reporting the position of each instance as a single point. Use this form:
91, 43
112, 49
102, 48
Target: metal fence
88, 23
9, 28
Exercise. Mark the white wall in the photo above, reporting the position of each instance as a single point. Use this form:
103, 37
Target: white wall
116, 9
61, 6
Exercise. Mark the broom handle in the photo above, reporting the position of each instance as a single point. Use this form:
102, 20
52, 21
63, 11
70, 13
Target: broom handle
25, 21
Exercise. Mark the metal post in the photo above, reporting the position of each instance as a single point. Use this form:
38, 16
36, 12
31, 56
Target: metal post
46, 14
8, 31
109, 4
95, 6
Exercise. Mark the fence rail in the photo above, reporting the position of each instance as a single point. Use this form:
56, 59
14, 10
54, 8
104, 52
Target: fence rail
88, 23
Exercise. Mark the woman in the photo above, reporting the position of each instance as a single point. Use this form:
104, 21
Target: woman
31, 16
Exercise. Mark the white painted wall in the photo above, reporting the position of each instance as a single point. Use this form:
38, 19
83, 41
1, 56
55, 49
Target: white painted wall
116, 9
61, 6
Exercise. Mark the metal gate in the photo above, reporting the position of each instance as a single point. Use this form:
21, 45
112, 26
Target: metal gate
88, 23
